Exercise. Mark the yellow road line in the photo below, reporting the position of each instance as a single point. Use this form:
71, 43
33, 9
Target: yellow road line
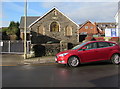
8, 65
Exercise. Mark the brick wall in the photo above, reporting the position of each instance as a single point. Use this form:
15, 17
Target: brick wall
89, 27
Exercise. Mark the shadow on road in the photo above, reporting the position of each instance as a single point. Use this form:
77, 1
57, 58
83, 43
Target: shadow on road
86, 64
108, 81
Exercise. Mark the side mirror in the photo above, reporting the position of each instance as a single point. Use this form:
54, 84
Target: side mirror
84, 48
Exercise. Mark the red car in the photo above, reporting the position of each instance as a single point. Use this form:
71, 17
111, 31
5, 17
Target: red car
89, 52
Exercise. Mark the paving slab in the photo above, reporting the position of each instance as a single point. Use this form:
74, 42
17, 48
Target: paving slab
16, 59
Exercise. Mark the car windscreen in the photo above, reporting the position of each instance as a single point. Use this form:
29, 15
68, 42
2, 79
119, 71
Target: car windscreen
78, 46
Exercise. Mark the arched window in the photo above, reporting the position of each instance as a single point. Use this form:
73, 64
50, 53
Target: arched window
41, 30
68, 31
54, 27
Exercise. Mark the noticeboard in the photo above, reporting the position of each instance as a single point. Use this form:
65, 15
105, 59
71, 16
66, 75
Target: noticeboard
110, 32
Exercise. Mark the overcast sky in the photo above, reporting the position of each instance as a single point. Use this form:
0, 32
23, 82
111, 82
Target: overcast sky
79, 12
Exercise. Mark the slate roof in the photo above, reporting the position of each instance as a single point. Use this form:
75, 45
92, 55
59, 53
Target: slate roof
30, 19
103, 25
50, 12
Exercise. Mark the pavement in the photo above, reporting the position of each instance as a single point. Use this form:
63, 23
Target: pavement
17, 59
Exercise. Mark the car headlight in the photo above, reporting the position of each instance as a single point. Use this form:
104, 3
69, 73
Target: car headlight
61, 55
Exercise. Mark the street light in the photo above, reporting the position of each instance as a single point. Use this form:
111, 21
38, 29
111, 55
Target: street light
25, 28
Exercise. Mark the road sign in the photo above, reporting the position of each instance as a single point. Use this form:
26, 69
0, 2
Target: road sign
113, 32
110, 32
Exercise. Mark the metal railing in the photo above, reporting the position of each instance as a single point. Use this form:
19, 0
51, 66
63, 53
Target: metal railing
16, 47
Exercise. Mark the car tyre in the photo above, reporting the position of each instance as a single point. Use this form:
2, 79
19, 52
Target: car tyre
115, 59
73, 61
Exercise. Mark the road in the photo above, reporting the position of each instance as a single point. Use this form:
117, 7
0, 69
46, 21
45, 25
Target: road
54, 75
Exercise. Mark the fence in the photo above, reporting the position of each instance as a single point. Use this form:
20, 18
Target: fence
16, 47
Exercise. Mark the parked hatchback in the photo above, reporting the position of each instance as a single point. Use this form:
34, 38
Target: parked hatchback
89, 52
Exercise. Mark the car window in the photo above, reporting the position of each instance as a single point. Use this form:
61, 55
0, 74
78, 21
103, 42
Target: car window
78, 46
91, 46
103, 44
112, 44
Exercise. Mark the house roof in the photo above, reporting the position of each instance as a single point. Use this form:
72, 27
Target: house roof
81, 25
105, 22
103, 25
30, 19
48, 13
97, 28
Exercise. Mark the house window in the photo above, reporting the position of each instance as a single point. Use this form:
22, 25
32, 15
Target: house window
86, 27
68, 31
103, 25
106, 25
91, 27
112, 25
83, 33
54, 27
41, 30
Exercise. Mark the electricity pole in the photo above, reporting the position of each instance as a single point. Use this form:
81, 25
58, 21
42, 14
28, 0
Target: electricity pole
25, 29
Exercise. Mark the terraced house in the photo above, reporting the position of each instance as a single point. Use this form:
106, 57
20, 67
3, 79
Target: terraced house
94, 28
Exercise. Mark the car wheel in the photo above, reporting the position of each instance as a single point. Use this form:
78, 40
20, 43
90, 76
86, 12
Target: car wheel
73, 61
115, 59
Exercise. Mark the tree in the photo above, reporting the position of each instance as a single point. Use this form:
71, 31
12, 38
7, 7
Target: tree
13, 30
18, 30
4, 34
4, 30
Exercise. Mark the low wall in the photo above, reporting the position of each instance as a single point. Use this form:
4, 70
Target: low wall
54, 48
116, 39
51, 49
46, 49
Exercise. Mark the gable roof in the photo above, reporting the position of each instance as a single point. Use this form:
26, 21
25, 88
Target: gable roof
48, 13
97, 28
30, 19
81, 25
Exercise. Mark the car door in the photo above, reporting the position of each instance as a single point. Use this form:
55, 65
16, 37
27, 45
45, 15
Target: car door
103, 51
88, 54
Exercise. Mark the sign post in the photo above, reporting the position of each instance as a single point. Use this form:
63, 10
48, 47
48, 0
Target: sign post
25, 28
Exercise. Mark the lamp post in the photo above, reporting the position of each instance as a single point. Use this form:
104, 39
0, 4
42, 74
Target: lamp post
25, 29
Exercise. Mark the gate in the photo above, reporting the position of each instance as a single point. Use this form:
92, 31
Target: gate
16, 47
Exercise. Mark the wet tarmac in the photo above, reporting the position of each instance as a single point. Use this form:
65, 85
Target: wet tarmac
55, 75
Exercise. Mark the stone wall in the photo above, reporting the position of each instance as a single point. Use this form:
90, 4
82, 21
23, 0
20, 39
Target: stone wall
45, 22
51, 49
46, 49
